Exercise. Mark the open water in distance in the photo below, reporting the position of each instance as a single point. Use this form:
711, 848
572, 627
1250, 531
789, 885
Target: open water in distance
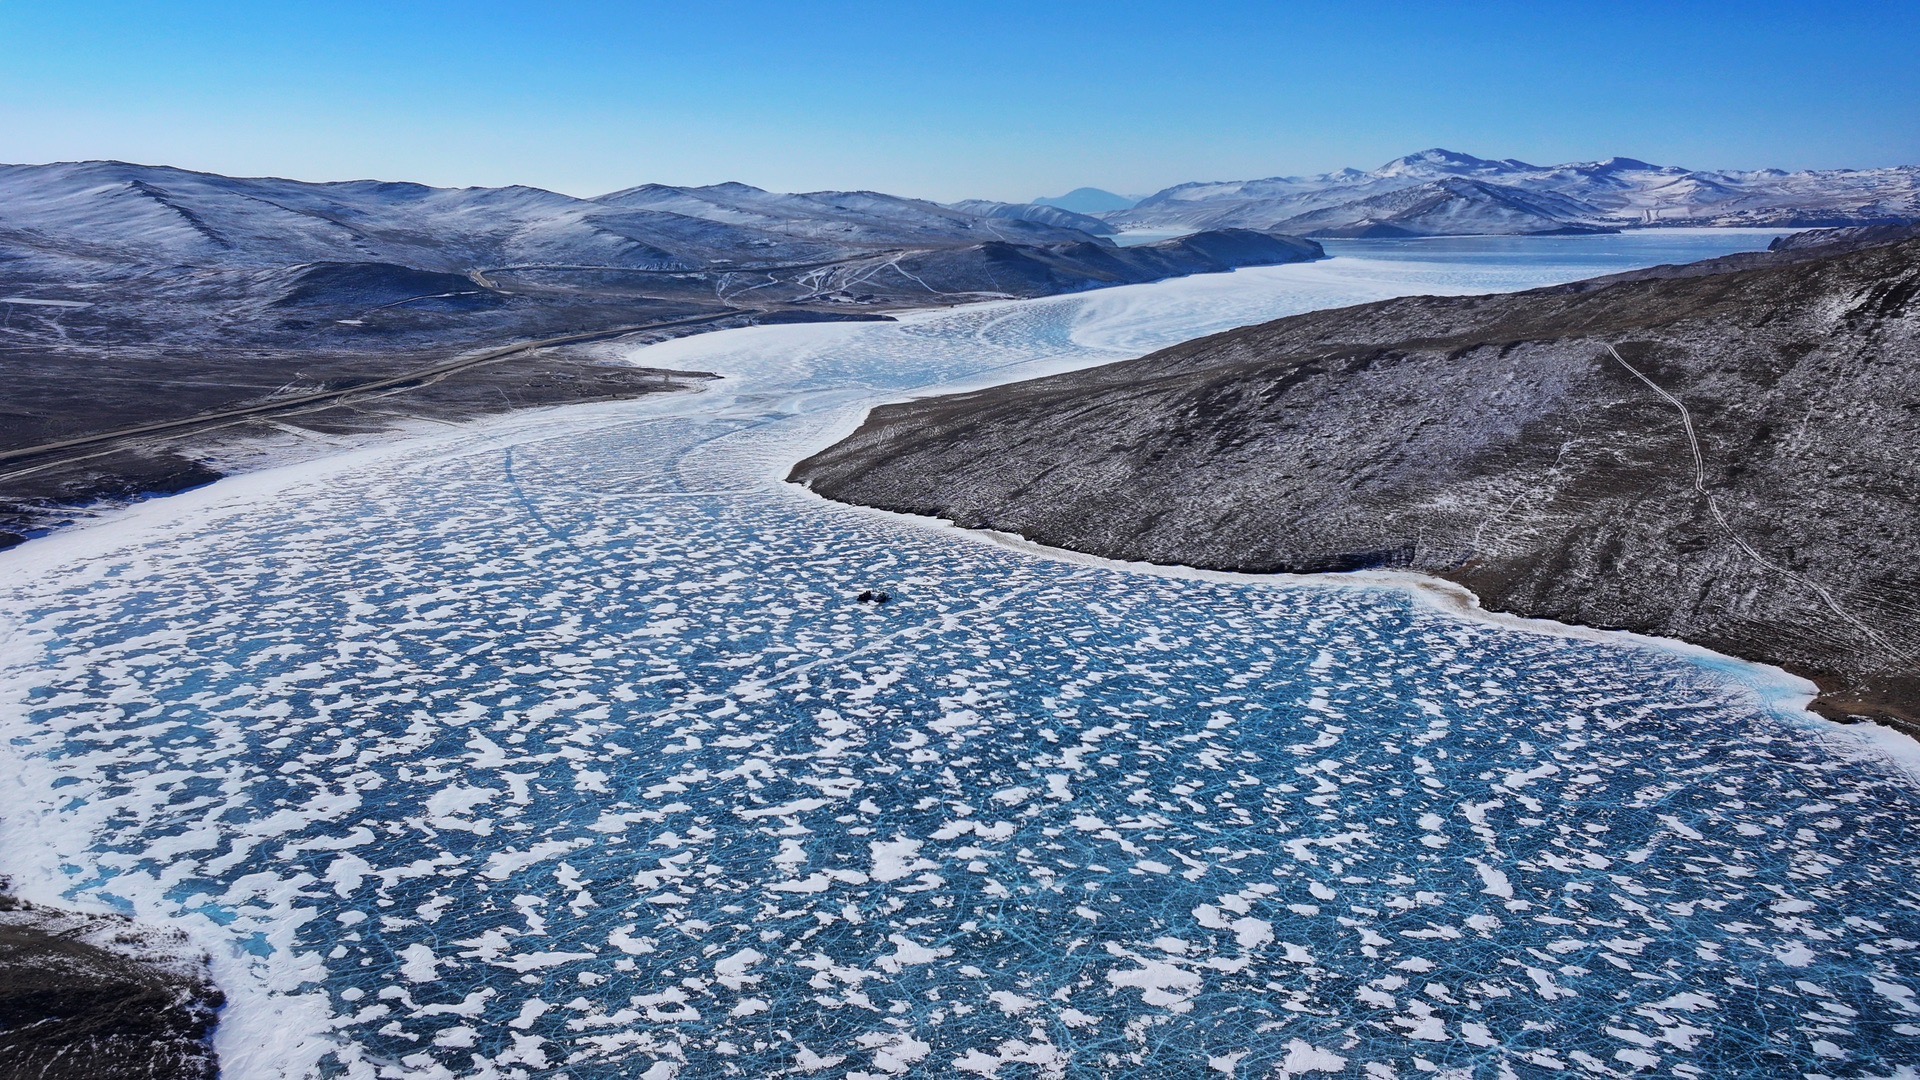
558, 745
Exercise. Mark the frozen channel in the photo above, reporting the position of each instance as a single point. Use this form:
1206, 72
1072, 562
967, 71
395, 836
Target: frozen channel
558, 745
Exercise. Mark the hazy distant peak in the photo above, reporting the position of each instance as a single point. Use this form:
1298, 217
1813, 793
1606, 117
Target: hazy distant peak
1088, 200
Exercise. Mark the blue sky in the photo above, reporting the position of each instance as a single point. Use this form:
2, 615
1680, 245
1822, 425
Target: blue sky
1001, 100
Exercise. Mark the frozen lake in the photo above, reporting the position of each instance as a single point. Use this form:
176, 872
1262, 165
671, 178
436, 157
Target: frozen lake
558, 745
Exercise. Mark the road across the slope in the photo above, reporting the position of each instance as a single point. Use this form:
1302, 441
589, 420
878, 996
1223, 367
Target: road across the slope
302, 401
1713, 506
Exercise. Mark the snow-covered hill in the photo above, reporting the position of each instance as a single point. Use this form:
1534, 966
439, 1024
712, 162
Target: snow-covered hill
1441, 192
1037, 212
852, 217
115, 216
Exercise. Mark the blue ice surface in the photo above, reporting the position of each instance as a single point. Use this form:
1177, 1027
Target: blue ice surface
1590, 255
565, 749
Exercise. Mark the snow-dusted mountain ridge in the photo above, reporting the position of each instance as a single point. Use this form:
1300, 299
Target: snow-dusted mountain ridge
137, 214
1442, 192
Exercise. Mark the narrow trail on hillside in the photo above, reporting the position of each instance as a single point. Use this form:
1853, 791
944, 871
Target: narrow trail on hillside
1713, 507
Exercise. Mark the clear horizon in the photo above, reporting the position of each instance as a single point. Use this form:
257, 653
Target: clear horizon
988, 100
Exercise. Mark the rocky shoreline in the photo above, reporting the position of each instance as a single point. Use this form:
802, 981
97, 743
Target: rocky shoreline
101, 997
43, 493
1538, 448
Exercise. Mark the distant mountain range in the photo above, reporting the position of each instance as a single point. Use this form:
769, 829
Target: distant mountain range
1444, 193
121, 215
274, 262
176, 297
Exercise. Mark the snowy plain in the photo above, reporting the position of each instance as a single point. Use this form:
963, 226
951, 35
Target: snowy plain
557, 744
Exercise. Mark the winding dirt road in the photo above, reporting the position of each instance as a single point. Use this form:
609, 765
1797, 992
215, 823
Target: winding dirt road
333, 397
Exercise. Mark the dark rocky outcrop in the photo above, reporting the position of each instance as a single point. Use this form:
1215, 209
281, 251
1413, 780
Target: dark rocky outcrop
1026, 270
41, 494
1832, 241
376, 285
1498, 442
100, 997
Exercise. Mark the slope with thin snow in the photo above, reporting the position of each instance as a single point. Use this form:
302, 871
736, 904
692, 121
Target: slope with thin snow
115, 215
1720, 452
1036, 212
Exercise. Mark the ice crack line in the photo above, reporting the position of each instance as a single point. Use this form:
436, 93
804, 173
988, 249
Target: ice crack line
1713, 507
